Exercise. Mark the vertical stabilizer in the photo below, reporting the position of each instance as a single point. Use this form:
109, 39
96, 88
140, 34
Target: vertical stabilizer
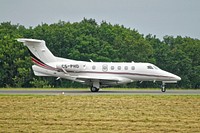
38, 50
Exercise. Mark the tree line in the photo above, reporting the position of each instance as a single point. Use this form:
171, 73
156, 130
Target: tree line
87, 40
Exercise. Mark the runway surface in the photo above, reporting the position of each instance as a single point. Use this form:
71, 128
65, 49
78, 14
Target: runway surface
101, 92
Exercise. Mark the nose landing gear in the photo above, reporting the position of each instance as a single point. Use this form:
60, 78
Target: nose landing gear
163, 89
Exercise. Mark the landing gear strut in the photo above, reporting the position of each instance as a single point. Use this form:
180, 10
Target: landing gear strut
163, 89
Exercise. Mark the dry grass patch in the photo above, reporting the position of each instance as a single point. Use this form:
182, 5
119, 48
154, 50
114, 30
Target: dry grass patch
100, 114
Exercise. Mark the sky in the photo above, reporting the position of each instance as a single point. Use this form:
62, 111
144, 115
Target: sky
156, 17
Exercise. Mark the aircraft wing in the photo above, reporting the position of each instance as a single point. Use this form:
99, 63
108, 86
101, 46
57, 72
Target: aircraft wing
97, 78
104, 80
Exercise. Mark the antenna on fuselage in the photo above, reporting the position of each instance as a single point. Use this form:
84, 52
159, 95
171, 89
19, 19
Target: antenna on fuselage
91, 60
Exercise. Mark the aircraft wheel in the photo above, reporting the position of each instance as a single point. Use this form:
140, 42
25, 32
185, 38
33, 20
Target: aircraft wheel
163, 89
94, 89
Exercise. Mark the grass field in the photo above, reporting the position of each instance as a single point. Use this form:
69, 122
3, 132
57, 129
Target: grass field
103, 113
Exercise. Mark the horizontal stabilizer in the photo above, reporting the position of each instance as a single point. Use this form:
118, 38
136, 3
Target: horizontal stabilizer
29, 40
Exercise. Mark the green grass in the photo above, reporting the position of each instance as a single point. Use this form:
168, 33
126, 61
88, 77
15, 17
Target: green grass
121, 113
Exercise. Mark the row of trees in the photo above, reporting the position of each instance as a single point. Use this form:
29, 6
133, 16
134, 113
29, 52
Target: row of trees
100, 42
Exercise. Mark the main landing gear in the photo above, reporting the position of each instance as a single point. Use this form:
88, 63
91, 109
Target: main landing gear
163, 89
95, 86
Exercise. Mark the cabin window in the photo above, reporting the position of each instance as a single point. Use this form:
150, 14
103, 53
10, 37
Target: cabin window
126, 68
133, 68
93, 67
112, 67
84, 66
149, 67
105, 68
119, 67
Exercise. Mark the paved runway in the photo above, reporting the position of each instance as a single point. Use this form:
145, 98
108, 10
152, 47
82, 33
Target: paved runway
101, 92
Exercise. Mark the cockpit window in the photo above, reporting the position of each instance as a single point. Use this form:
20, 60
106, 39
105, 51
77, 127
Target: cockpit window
155, 67
149, 67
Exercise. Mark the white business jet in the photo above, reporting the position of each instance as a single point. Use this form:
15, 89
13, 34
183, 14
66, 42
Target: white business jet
95, 74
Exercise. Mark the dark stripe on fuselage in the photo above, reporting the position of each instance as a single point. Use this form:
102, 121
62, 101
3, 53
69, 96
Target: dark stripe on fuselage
32, 55
40, 63
122, 73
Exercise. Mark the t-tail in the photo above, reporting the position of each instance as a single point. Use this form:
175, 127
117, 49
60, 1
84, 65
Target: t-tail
40, 54
38, 50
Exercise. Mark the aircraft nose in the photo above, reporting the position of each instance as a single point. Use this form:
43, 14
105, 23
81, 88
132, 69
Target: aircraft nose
177, 77
172, 76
